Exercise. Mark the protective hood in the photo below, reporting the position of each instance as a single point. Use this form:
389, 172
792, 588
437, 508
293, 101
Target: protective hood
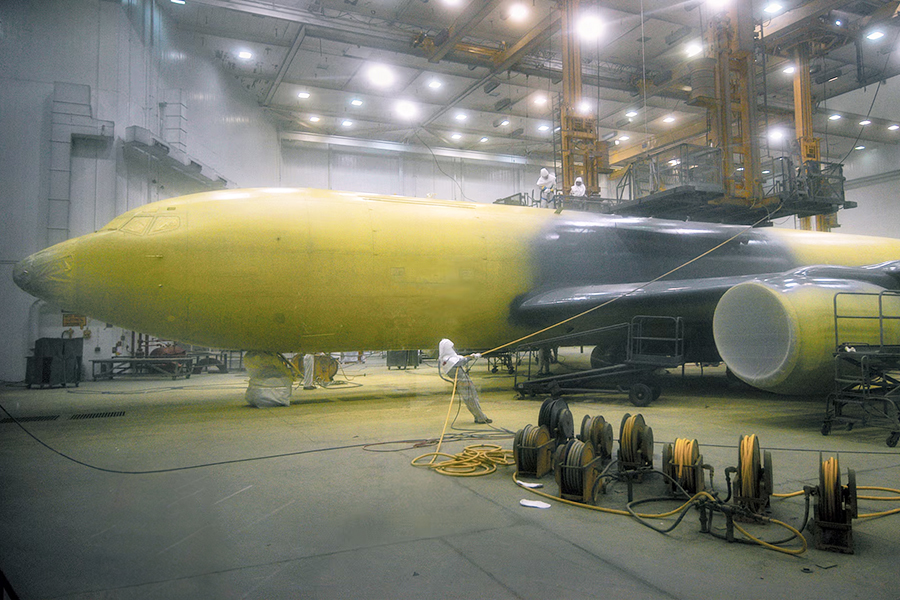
546, 178
447, 355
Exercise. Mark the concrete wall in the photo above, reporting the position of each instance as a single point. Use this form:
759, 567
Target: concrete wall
873, 182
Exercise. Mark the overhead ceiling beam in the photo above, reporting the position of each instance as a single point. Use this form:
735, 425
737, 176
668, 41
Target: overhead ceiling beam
285, 65
473, 14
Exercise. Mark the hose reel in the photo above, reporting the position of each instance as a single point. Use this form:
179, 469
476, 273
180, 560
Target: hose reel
835, 508
533, 451
683, 465
599, 433
557, 418
635, 444
576, 471
753, 480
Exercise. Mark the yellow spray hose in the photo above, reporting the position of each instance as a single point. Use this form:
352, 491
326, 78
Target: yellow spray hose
748, 477
473, 461
684, 455
692, 500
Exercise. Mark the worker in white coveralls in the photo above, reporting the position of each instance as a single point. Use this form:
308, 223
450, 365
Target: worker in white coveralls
546, 183
578, 189
453, 366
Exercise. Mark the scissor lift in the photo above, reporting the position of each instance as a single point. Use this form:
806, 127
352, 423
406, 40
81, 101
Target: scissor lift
866, 370
653, 342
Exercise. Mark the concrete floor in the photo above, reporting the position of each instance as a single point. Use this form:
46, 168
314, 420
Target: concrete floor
322, 516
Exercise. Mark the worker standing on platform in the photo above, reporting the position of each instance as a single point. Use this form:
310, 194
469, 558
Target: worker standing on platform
453, 365
546, 183
578, 189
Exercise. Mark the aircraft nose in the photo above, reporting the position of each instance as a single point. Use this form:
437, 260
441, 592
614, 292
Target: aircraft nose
48, 275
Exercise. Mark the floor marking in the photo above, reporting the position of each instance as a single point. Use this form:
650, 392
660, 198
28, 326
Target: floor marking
231, 495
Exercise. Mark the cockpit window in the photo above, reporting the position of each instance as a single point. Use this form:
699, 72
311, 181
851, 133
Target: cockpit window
137, 225
164, 224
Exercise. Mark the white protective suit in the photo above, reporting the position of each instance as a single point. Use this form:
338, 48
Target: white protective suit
546, 183
578, 189
453, 366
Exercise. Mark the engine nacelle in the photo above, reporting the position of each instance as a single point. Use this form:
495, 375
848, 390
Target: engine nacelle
779, 334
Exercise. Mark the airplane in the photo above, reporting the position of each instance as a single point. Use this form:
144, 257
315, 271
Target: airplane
304, 270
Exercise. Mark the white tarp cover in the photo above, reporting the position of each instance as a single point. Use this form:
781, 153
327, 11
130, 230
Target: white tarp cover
270, 380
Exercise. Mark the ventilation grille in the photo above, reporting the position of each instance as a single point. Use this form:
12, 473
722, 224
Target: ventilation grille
103, 415
29, 419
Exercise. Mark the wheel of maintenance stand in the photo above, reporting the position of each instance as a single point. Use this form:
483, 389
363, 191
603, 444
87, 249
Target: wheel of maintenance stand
640, 394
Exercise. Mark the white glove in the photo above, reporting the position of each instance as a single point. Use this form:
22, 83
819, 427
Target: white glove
476, 356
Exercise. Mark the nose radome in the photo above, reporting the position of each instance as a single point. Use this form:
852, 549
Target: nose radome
48, 275
22, 273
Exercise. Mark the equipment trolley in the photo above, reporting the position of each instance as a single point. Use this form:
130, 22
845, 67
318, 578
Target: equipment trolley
866, 363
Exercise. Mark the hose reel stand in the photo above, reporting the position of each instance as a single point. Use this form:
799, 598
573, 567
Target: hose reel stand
635, 450
835, 508
754, 475
683, 464
578, 461
533, 447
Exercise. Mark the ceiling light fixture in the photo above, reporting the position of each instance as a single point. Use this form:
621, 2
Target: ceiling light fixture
834, 117
456, 136
631, 113
893, 127
669, 119
314, 119
177, 1
589, 27
483, 140
693, 49
540, 100
501, 122
518, 12
875, 35
434, 84
347, 123
380, 75
772, 8
859, 148
406, 109
543, 127
244, 55
623, 138
790, 69
356, 102
865, 122
460, 117
303, 95
584, 107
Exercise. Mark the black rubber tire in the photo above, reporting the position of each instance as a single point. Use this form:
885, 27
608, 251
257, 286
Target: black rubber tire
640, 394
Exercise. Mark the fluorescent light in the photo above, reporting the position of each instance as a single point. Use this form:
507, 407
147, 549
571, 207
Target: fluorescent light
314, 119
859, 148
875, 35
893, 127
543, 127
347, 123
789, 69
456, 136
245, 55
483, 140
303, 95
631, 113
540, 100
865, 122
460, 116
501, 122
772, 8
380, 75
177, 1
766, 172
669, 119
834, 117
356, 102
434, 84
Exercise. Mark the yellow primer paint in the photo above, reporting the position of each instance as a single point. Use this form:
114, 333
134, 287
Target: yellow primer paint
289, 270
817, 248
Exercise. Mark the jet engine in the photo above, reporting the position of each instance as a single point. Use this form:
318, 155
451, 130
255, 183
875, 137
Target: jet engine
778, 334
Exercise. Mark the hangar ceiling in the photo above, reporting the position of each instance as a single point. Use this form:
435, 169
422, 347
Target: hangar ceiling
475, 75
